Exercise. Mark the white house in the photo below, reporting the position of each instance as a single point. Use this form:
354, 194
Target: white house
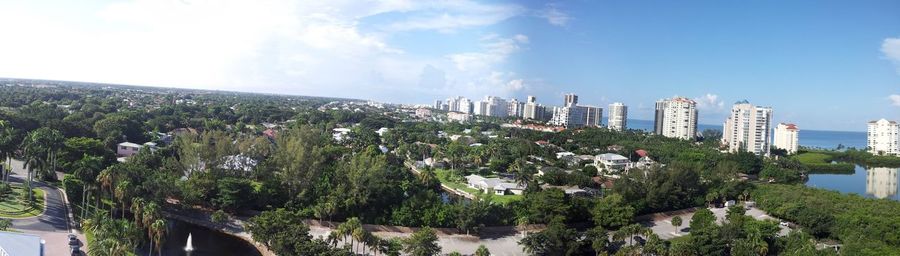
612, 162
494, 185
340, 134
127, 149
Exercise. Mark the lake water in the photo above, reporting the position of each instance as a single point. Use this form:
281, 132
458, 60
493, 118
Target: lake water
205, 241
878, 182
808, 138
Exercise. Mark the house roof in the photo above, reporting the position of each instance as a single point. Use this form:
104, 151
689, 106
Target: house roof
642, 153
131, 145
611, 157
21, 244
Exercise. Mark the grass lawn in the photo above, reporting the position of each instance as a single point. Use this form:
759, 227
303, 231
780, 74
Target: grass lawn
813, 158
15, 205
444, 176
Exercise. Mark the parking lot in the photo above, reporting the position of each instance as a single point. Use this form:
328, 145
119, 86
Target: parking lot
664, 229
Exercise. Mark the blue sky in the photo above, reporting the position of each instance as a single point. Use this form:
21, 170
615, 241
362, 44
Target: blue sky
824, 65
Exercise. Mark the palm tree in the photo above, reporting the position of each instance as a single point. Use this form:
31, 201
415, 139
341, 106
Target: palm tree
86, 169
676, 223
157, 231
7, 135
106, 179
122, 193
150, 214
137, 207
524, 171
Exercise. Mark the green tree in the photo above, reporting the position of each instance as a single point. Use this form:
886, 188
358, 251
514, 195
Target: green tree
482, 251
612, 212
676, 223
422, 243
556, 239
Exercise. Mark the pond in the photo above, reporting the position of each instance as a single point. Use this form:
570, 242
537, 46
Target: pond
874, 182
205, 242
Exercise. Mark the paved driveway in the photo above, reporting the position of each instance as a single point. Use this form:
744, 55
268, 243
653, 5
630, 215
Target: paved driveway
53, 224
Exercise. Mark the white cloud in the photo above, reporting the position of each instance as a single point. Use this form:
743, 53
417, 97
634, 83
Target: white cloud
554, 15
282, 46
496, 50
448, 16
709, 102
895, 99
515, 85
891, 50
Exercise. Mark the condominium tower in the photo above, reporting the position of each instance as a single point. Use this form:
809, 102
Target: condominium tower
618, 114
883, 138
786, 137
534, 111
676, 118
748, 129
571, 115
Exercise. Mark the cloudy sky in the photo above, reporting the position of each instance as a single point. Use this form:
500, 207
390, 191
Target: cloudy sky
821, 64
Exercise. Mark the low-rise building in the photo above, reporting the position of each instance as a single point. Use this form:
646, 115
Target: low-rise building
127, 149
458, 117
497, 186
612, 162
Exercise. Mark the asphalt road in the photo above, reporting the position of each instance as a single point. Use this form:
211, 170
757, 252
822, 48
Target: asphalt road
53, 224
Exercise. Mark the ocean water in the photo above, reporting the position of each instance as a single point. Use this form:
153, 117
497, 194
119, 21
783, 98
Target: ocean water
808, 138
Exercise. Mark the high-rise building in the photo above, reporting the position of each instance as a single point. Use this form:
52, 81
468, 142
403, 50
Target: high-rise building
883, 137
570, 100
748, 128
592, 115
676, 118
533, 110
458, 104
786, 137
573, 116
437, 104
492, 106
618, 114
516, 108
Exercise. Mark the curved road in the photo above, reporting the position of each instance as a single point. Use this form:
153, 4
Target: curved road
53, 224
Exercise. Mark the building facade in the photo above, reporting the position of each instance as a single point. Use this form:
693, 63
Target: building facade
516, 108
572, 115
748, 128
883, 137
787, 137
676, 118
534, 111
618, 114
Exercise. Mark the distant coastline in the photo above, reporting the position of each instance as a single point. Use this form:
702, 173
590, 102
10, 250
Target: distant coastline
808, 138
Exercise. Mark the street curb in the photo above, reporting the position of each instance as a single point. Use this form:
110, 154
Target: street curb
70, 220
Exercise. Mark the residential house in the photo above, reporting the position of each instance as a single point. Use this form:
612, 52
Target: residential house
127, 149
612, 162
494, 185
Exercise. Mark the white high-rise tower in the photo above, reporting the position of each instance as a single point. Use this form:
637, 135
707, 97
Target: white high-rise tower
748, 129
618, 114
